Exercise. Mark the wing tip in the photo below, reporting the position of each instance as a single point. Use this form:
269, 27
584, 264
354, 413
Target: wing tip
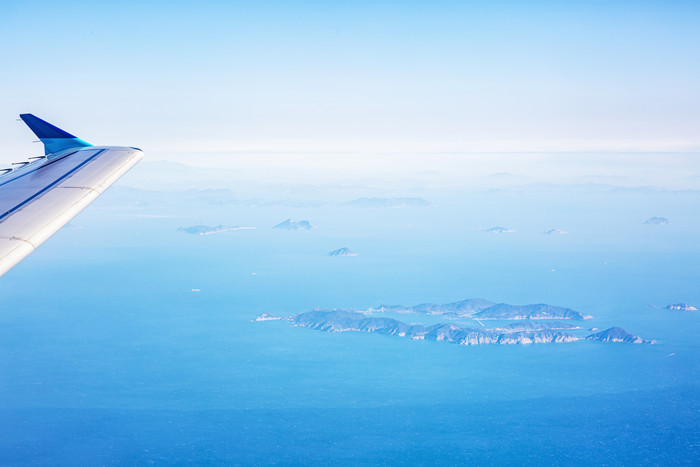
54, 138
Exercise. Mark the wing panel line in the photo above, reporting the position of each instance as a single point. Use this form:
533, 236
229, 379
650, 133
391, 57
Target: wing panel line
52, 184
19, 240
48, 163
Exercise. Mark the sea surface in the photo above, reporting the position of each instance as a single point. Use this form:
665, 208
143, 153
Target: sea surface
124, 341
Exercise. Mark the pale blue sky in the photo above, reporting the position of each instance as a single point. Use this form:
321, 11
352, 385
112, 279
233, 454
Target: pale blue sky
360, 76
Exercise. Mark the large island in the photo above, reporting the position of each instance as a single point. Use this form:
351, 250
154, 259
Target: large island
347, 320
532, 326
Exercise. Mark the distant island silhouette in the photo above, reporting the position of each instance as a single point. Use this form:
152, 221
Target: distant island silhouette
206, 230
289, 224
657, 221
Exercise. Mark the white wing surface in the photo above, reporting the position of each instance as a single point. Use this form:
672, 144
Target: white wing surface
40, 197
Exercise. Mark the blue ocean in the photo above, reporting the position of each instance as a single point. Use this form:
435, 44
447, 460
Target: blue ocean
125, 341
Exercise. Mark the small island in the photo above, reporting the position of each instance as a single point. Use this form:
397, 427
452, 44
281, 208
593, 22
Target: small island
206, 230
555, 232
616, 334
657, 221
269, 317
499, 230
289, 224
681, 307
345, 251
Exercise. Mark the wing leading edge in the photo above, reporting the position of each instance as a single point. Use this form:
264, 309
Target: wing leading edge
40, 197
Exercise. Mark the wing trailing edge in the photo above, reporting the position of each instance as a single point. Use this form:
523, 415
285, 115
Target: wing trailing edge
54, 138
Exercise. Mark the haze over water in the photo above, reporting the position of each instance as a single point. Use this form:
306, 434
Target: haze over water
121, 359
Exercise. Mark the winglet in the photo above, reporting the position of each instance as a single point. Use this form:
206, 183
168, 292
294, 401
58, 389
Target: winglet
54, 138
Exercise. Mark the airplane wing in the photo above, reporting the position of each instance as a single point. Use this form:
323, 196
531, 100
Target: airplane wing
39, 197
